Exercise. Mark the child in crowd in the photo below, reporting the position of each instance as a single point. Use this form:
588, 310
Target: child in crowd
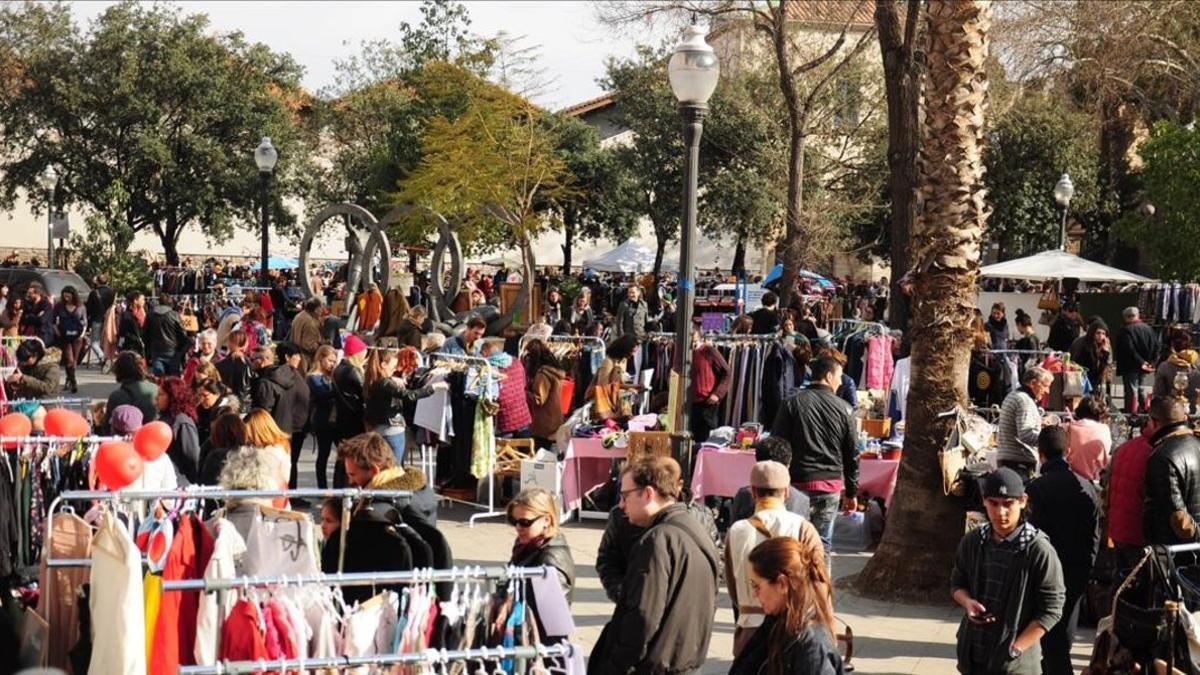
331, 517
1008, 580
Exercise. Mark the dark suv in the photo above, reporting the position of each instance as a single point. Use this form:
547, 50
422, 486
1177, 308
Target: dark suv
18, 280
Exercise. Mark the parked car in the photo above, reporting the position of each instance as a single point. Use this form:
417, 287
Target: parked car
18, 280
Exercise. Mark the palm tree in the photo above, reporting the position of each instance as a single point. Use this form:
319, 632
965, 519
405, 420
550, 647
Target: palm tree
924, 525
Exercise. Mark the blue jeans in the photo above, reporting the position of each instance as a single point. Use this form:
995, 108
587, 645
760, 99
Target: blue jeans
395, 438
164, 363
1137, 391
823, 510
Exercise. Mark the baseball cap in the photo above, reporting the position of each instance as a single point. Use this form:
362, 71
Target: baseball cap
1002, 482
769, 475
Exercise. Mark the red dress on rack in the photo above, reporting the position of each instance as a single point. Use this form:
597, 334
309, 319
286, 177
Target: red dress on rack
242, 636
175, 631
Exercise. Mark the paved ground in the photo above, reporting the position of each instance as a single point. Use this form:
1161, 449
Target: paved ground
889, 638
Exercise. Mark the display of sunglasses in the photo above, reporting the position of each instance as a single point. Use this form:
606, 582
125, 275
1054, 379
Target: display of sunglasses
524, 522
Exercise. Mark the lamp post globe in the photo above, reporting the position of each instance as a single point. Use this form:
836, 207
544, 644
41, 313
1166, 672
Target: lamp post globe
1064, 191
693, 72
265, 157
48, 179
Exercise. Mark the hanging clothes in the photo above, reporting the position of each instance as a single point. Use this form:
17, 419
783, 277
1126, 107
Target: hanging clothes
72, 538
119, 640
175, 633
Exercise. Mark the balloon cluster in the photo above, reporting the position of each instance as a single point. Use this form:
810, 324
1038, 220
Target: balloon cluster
118, 463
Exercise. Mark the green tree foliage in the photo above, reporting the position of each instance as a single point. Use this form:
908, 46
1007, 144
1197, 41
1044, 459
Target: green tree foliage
1170, 230
1029, 148
493, 170
153, 100
103, 248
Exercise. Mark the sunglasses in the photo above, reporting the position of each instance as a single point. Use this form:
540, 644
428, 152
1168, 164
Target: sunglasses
525, 523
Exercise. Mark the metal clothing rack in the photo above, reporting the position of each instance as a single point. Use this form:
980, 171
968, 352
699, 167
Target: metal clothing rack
60, 440
580, 339
431, 656
62, 401
836, 325
491, 511
720, 337
417, 576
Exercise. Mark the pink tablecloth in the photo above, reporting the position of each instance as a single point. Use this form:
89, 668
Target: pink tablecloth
585, 466
721, 472
724, 472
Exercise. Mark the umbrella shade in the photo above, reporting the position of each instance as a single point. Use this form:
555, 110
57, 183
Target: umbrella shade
776, 273
629, 257
1058, 264
279, 262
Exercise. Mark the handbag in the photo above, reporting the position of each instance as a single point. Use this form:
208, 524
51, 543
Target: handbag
1050, 301
968, 438
1047, 318
1073, 383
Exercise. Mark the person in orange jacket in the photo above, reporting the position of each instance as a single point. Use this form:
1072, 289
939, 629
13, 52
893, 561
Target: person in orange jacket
370, 307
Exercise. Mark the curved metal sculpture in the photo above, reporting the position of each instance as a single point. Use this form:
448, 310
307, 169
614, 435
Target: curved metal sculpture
361, 271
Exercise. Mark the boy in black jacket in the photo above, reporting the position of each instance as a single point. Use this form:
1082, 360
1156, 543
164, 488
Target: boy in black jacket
1008, 580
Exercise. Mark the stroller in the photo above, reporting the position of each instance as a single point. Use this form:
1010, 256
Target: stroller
1151, 628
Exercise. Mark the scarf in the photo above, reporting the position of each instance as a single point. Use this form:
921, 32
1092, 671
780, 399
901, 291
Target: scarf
1185, 358
140, 316
522, 552
501, 360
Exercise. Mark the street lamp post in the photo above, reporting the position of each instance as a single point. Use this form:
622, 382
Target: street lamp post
693, 71
265, 157
1064, 190
49, 181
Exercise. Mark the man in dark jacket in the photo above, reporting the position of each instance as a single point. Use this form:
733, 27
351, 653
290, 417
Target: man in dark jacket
1137, 350
820, 428
1172, 477
766, 318
1065, 507
386, 534
349, 402
35, 376
282, 391
664, 618
1008, 581
99, 300
166, 341
1065, 329
38, 318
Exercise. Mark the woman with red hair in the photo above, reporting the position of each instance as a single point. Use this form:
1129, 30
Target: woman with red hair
177, 407
385, 382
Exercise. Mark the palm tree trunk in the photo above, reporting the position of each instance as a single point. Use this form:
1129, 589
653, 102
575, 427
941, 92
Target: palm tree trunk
924, 526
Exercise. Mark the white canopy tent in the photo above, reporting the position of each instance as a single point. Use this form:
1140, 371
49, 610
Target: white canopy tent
1058, 264
630, 257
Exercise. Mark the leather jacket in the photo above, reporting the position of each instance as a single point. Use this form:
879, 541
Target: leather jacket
820, 427
554, 554
1173, 487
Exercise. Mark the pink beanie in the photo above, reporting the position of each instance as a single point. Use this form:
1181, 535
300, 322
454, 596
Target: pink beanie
354, 346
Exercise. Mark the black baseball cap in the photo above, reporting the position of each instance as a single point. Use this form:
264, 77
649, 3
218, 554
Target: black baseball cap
1003, 483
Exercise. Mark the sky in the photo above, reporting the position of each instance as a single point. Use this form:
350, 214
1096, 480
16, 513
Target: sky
574, 45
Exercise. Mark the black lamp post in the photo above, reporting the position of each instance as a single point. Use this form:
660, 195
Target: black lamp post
265, 157
693, 71
1064, 191
49, 180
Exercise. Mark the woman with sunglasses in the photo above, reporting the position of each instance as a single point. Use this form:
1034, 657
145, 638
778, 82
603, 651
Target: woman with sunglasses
534, 514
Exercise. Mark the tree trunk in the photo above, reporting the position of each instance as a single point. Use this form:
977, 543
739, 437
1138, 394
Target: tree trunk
793, 238
169, 236
898, 44
924, 526
660, 249
568, 241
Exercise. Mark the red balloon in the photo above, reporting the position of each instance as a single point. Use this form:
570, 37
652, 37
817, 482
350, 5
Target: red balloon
66, 423
118, 464
152, 440
15, 424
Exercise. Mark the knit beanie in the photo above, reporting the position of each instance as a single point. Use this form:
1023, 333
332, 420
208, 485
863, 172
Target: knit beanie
354, 346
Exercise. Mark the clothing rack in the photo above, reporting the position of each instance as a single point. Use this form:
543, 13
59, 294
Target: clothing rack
56, 401
443, 656
720, 337
580, 339
856, 325
418, 576
53, 440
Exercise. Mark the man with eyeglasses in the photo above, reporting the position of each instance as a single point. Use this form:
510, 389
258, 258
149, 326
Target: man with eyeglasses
672, 566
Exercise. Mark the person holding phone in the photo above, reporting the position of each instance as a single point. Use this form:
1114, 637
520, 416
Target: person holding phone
1008, 580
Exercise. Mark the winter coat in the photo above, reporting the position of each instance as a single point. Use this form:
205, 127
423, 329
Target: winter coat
1063, 333
997, 333
164, 332
184, 450
282, 391
236, 374
557, 555
386, 399
1172, 487
820, 427
376, 541
38, 319
370, 307
1127, 490
779, 379
69, 324
98, 301
141, 394
348, 388
395, 310
1137, 344
514, 411
812, 652
631, 320
41, 380
1018, 428
306, 334
766, 321
322, 402
1183, 362
409, 334
616, 544
1033, 591
663, 621
1064, 505
545, 404
129, 334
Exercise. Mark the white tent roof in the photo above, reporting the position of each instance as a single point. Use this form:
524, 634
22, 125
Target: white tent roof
629, 257
1058, 265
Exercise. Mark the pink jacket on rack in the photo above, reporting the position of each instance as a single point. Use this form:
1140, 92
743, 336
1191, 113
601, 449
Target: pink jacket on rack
879, 366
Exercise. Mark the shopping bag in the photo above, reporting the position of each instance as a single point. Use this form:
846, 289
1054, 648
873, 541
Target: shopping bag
1073, 386
1050, 301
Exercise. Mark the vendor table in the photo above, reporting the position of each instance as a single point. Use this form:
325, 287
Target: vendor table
586, 466
724, 472
721, 472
